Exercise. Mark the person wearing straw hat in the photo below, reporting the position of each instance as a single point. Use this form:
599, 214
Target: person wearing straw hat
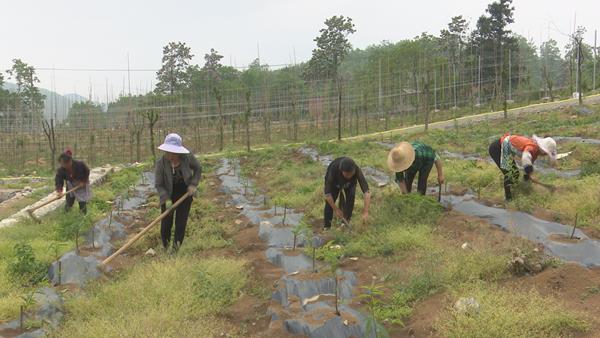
76, 174
408, 159
177, 172
504, 151
341, 179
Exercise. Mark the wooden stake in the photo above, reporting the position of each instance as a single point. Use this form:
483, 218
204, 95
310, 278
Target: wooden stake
145, 230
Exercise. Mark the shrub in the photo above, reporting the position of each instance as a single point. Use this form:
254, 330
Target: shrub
25, 269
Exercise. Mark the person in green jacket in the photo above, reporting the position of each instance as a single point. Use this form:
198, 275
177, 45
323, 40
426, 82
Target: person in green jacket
408, 159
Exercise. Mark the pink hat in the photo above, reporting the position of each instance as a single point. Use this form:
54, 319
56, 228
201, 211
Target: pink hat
173, 144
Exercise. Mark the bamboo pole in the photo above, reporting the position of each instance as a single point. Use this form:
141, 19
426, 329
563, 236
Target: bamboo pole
145, 230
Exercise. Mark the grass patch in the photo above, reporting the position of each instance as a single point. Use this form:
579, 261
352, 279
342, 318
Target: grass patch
175, 297
510, 313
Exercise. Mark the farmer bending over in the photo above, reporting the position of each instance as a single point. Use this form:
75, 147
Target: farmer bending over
177, 172
504, 150
408, 159
76, 174
341, 177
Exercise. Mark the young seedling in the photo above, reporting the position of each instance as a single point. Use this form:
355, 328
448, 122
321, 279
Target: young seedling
110, 220
28, 302
55, 247
331, 255
574, 226
372, 296
284, 213
300, 230
315, 243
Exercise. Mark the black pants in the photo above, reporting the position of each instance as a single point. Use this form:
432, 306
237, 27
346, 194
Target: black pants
181, 217
423, 176
71, 200
346, 203
511, 176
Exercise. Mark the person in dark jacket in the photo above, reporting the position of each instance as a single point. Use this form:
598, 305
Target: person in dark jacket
76, 174
177, 172
342, 176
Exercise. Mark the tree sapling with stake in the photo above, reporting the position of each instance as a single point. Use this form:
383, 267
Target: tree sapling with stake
331, 255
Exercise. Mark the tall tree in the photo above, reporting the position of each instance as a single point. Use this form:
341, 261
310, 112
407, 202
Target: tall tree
30, 99
332, 47
551, 63
492, 30
173, 75
577, 37
212, 65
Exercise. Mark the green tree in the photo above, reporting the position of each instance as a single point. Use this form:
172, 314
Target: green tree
173, 75
332, 47
212, 66
551, 65
30, 99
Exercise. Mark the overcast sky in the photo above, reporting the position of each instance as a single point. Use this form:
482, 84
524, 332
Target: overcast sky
86, 34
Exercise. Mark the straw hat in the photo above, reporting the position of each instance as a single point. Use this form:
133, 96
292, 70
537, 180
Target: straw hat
401, 157
548, 145
173, 144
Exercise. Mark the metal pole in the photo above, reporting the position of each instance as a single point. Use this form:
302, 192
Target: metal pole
595, 58
380, 89
509, 75
434, 90
479, 89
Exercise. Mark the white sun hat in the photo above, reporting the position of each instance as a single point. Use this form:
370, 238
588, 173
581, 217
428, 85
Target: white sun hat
548, 145
173, 144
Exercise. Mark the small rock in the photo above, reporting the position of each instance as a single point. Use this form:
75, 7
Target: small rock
150, 253
239, 207
238, 222
346, 322
464, 246
293, 273
354, 258
466, 305
537, 268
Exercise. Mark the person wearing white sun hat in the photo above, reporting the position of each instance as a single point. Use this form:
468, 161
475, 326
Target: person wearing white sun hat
504, 151
177, 172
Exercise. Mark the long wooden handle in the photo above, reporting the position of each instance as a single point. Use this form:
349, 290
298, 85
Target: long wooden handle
52, 200
145, 230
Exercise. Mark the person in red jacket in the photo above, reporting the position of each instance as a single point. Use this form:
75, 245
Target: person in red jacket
504, 151
76, 174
